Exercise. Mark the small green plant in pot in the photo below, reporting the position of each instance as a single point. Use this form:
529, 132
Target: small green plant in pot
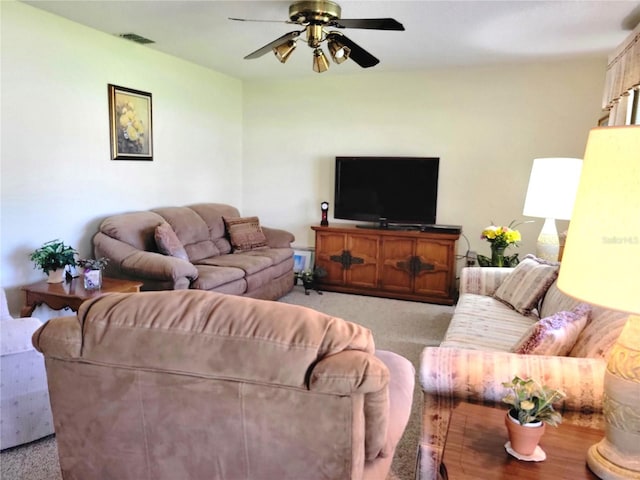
531, 408
53, 256
93, 271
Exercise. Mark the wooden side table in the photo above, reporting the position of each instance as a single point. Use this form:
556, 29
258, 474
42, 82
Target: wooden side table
71, 294
475, 448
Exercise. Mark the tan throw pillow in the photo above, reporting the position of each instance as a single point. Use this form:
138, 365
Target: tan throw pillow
554, 335
168, 242
245, 233
527, 284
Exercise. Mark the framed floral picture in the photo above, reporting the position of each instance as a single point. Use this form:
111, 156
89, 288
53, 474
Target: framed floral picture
130, 124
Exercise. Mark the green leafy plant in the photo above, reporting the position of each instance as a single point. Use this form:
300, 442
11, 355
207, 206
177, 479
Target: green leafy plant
310, 276
93, 263
53, 255
531, 402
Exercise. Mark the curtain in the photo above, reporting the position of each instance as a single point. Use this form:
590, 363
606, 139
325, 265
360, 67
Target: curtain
623, 74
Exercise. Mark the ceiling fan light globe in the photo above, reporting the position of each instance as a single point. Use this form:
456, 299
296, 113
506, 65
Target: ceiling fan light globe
320, 62
284, 51
339, 53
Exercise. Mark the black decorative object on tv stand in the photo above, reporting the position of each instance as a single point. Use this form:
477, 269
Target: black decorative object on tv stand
324, 207
383, 224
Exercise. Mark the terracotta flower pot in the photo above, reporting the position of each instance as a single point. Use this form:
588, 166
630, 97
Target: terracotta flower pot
524, 438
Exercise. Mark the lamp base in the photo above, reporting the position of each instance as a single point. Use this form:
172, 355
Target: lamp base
617, 455
548, 246
605, 469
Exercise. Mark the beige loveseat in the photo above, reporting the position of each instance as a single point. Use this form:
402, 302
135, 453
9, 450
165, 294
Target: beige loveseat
201, 255
194, 385
474, 359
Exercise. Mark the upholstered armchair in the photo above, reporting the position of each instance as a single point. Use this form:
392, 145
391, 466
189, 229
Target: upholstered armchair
192, 385
25, 413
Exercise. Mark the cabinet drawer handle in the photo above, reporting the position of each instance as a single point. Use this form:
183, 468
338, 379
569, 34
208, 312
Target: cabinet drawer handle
346, 259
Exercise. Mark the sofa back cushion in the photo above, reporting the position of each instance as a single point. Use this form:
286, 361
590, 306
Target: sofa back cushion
191, 330
191, 230
599, 335
212, 214
136, 229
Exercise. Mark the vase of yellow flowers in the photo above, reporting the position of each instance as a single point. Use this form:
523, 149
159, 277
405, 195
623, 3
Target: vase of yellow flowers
499, 238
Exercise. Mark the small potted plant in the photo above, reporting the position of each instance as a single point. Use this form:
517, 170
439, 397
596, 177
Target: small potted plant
93, 271
310, 278
52, 258
531, 408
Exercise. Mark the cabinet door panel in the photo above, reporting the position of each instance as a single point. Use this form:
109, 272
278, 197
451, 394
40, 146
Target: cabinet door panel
329, 246
434, 278
396, 258
363, 271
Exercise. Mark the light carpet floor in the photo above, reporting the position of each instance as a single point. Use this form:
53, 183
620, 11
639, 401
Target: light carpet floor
401, 327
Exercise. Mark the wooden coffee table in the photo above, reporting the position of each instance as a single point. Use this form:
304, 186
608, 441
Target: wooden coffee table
71, 294
475, 448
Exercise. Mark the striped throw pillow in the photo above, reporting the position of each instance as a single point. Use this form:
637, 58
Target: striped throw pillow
527, 283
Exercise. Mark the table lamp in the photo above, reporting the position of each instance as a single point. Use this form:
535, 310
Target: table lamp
551, 193
601, 264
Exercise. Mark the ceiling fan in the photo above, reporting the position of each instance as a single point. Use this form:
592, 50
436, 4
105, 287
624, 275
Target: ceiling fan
316, 16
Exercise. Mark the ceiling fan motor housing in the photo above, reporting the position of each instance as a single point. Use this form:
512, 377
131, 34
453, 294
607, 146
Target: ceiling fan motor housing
314, 12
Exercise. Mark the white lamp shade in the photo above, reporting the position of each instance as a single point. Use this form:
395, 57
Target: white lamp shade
601, 261
553, 184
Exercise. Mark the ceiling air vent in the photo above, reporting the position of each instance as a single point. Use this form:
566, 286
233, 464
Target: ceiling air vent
135, 38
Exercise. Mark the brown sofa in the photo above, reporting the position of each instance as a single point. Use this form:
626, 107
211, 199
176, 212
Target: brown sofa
193, 385
208, 261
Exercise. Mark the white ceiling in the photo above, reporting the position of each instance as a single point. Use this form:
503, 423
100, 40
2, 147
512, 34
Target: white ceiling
438, 33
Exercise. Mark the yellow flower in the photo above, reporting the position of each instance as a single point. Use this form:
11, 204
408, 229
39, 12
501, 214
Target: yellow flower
527, 405
132, 133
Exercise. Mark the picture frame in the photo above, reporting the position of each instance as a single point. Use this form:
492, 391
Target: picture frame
130, 124
302, 260
604, 120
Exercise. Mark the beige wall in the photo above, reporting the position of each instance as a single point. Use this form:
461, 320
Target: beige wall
268, 146
57, 177
486, 125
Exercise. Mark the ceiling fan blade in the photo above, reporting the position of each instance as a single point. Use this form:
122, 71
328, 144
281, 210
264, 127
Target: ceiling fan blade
369, 23
358, 54
255, 20
269, 46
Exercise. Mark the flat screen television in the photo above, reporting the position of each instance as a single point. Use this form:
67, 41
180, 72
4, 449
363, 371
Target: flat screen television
391, 191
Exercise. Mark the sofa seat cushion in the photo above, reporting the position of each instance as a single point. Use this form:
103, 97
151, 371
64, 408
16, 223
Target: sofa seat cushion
277, 255
211, 276
484, 323
251, 264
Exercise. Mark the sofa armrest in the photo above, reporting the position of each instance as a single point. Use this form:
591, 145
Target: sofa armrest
482, 280
477, 376
277, 238
351, 372
131, 262
451, 375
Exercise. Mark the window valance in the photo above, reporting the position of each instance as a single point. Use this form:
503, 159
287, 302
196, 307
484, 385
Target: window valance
623, 70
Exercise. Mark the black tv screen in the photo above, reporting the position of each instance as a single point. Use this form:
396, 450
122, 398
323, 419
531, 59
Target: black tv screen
393, 190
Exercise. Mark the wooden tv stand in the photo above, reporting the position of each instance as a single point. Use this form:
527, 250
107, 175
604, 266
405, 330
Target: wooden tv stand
406, 265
